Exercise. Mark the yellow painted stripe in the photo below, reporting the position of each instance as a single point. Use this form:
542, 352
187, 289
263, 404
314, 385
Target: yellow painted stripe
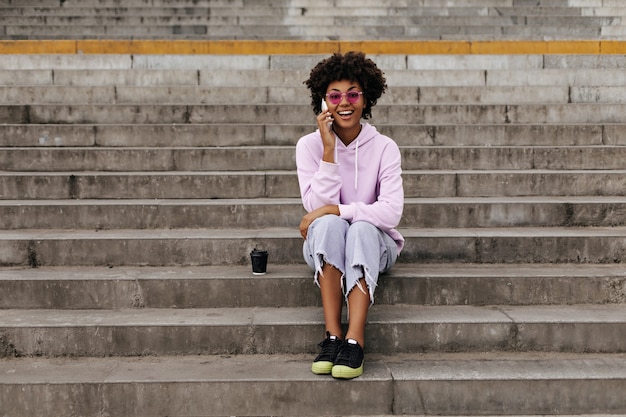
38, 47
277, 47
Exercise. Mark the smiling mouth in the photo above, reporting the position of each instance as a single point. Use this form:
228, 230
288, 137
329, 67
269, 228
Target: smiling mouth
345, 113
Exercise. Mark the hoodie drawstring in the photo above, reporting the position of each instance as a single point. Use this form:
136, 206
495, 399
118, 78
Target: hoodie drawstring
356, 165
356, 160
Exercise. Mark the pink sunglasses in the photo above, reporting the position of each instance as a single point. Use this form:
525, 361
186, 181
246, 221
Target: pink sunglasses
351, 96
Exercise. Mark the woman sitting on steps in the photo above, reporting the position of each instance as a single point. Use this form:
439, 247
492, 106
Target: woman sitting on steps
351, 187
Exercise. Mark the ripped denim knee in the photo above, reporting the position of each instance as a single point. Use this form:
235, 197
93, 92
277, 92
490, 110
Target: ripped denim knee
369, 252
325, 244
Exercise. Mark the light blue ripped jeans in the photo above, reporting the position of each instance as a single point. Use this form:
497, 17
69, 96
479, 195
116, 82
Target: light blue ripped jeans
358, 250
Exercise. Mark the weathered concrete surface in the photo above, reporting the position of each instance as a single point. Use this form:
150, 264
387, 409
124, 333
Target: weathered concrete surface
227, 385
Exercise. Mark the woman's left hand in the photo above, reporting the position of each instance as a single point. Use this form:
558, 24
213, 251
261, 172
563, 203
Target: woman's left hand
309, 218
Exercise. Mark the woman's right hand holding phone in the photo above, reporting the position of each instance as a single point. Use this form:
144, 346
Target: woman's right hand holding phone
325, 125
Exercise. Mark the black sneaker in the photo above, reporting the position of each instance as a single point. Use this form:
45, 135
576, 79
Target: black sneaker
349, 362
323, 364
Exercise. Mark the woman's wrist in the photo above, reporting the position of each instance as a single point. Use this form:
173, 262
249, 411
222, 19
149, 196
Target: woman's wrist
329, 156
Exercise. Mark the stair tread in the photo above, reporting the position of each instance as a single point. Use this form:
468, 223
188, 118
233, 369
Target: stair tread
195, 95
582, 80
444, 62
292, 172
291, 285
296, 367
279, 384
280, 316
182, 272
462, 114
290, 232
297, 200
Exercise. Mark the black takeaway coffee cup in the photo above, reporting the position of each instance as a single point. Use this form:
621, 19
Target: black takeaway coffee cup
259, 261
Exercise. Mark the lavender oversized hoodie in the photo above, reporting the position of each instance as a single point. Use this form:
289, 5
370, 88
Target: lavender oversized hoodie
365, 180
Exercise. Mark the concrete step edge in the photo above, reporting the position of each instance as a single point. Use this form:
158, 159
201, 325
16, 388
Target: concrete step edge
457, 212
231, 159
62, 185
287, 232
608, 314
498, 365
291, 173
170, 247
285, 18
442, 270
297, 201
431, 114
584, 385
191, 95
292, 147
220, 134
391, 329
103, 153
292, 285
280, 77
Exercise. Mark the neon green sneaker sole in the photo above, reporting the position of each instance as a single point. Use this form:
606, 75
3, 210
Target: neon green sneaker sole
345, 372
322, 367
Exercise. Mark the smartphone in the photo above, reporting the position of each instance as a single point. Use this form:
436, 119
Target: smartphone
324, 109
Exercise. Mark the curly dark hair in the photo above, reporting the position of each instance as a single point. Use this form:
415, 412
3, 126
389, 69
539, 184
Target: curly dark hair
352, 66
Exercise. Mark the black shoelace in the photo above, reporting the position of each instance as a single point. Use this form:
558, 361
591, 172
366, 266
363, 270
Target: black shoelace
329, 347
349, 353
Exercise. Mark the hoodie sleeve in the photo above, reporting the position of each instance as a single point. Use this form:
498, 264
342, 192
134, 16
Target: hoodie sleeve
319, 181
386, 211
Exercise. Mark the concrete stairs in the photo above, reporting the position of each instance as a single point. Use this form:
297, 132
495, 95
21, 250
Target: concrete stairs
134, 186
127, 225
303, 19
